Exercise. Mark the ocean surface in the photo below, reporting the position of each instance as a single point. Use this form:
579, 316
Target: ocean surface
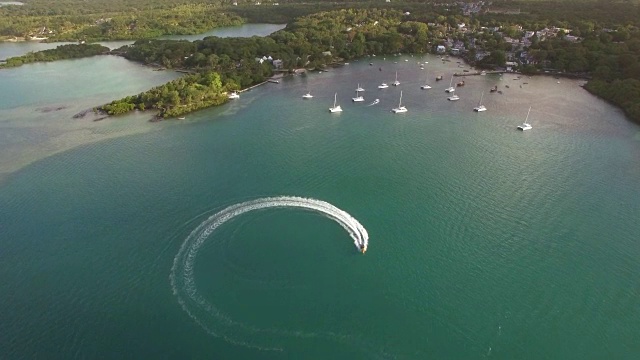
484, 242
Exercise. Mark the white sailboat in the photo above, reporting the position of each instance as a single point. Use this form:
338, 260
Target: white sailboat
358, 98
336, 107
425, 86
234, 95
307, 96
453, 97
450, 89
383, 86
525, 125
396, 83
400, 108
359, 88
480, 107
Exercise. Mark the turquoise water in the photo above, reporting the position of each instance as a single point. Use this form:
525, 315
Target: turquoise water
485, 242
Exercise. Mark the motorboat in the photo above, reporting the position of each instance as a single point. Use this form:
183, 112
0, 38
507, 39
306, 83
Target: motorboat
383, 86
358, 98
307, 96
234, 95
450, 89
396, 83
453, 97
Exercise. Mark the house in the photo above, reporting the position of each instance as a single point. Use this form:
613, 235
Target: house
407, 13
511, 65
440, 49
277, 64
455, 51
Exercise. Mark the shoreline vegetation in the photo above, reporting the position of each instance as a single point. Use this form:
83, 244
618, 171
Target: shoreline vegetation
71, 51
591, 39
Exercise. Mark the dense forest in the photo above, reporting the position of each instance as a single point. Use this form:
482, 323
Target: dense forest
61, 52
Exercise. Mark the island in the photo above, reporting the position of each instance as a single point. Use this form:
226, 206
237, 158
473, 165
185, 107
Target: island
71, 51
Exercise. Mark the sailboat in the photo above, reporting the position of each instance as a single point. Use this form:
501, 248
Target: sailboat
383, 86
450, 89
480, 107
336, 107
358, 98
307, 96
425, 86
396, 83
359, 88
525, 125
400, 108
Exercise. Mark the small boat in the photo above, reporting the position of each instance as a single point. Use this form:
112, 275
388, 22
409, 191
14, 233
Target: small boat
307, 96
383, 86
461, 83
358, 98
425, 86
438, 78
500, 92
336, 108
453, 97
181, 118
465, 70
525, 125
483, 73
400, 108
234, 95
507, 86
480, 107
370, 64
450, 89
396, 83
494, 89
359, 88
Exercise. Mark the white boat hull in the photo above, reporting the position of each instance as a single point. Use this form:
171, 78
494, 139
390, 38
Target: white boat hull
335, 109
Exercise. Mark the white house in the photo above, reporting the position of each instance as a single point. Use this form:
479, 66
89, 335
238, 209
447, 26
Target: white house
440, 49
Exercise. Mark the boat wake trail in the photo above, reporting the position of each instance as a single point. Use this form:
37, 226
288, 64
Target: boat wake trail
204, 312
374, 102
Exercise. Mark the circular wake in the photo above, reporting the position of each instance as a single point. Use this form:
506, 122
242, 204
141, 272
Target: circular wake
199, 308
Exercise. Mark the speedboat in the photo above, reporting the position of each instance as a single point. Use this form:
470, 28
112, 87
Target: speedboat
234, 95
383, 86
307, 96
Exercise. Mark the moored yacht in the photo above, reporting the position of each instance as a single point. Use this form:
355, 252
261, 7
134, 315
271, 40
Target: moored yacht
358, 98
307, 96
383, 86
396, 83
400, 108
453, 97
480, 107
359, 88
450, 89
525, 125
234, 95
336, 107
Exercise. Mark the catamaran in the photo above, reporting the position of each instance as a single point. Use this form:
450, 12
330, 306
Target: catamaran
359, 88
358, 98
453, 97
396, 83
480, 107
336, 107
400, 108
450, 89
525, 125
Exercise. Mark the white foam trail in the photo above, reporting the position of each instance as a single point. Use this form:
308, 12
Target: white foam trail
182, 276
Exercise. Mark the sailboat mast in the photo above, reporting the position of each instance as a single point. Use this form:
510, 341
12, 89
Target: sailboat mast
481, 96
525, 120
451, 82
335, 99
400, 103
